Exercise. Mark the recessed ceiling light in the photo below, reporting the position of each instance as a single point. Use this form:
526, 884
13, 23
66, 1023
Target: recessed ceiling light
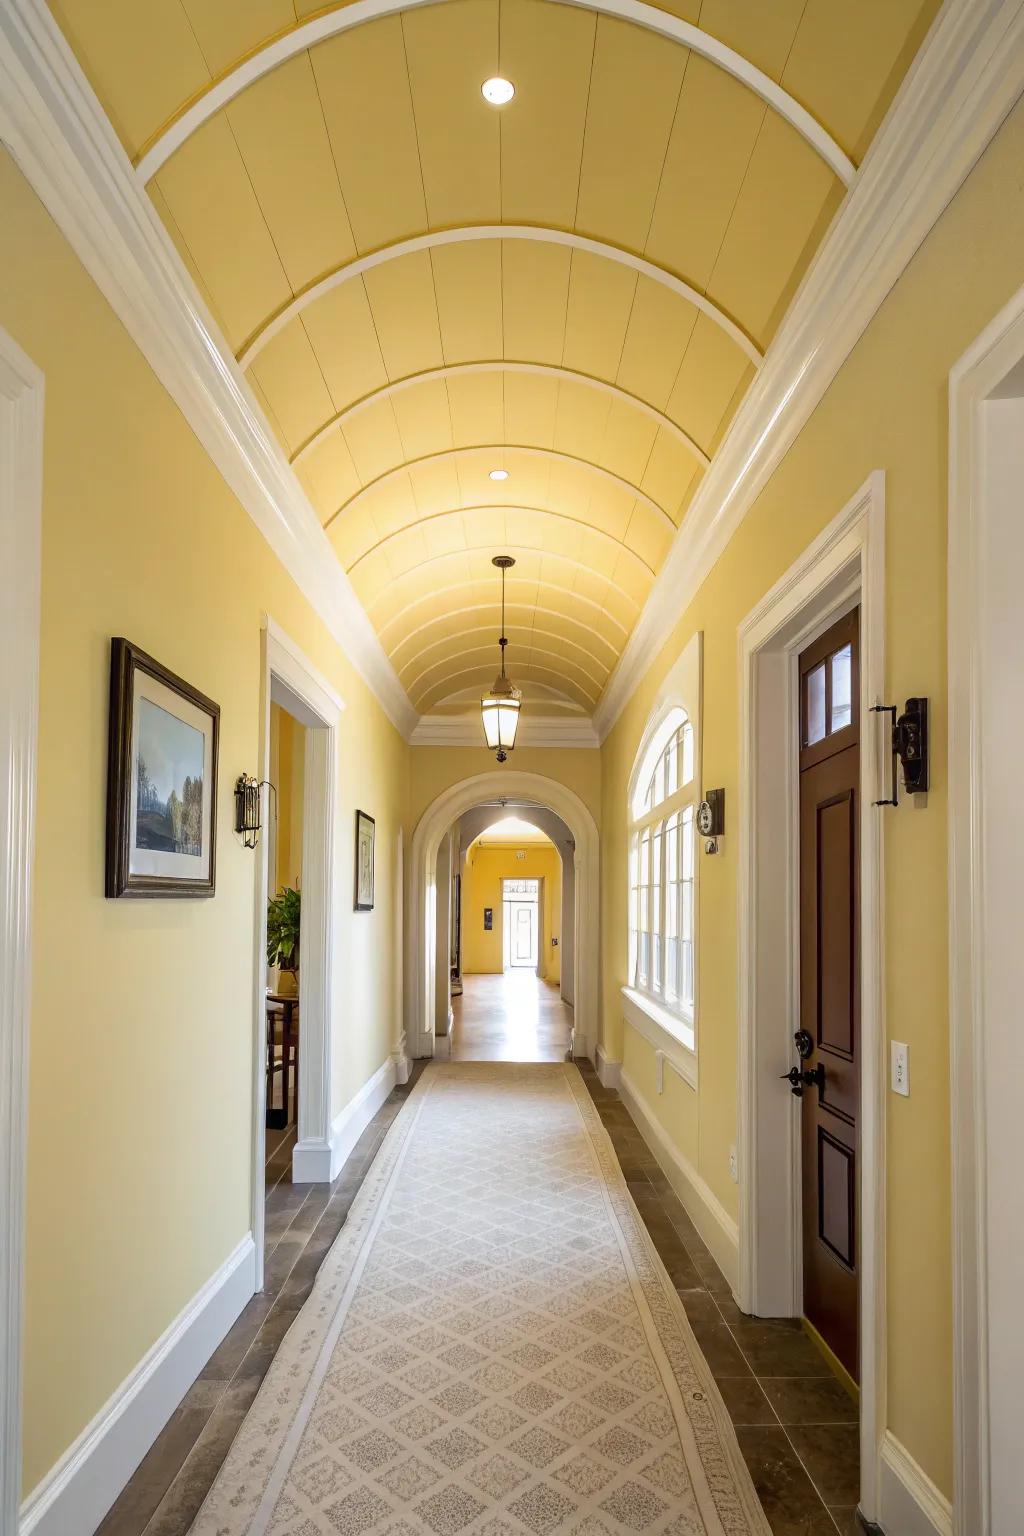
498, 91
498, 474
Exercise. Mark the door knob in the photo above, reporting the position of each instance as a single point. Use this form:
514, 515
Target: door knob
809, 1078
794, 1077
804, 1043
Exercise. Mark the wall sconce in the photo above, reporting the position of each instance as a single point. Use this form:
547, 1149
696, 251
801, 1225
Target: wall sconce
248, 817
909, 747
711, 818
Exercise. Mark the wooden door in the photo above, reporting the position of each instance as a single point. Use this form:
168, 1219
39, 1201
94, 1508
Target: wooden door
830, 983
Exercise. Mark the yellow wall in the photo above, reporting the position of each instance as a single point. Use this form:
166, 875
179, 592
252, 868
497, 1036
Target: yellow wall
887, 409
435, 769
486, 866
287, 774
140, 1113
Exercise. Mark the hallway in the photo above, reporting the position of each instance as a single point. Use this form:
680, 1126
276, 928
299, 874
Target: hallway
795, 1426
513, 1016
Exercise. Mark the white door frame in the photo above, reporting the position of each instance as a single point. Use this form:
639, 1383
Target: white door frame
508, 902
431, 828
845, 565
290, 679
982, 372
21, 516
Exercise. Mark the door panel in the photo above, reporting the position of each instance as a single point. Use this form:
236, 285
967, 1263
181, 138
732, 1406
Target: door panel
830, 985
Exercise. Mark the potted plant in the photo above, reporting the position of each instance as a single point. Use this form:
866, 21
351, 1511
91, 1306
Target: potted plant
283, 923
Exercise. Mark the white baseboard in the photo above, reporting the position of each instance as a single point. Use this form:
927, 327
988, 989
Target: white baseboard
911, 1505
75, 1494
319, 1162
705, 1210
608, 1071
403, 1066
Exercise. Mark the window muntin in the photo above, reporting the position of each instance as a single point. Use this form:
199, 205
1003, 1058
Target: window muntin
662, 868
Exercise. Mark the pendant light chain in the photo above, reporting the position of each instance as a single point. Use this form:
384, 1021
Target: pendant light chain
500, 709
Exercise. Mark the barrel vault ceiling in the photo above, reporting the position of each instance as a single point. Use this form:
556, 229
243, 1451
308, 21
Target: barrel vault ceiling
576, 288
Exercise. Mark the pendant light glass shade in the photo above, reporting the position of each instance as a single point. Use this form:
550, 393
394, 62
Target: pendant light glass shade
499, 710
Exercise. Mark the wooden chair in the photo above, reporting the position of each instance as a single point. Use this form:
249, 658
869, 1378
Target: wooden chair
282, 1057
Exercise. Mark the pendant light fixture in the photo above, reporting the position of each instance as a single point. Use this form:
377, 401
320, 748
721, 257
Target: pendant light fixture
500, 709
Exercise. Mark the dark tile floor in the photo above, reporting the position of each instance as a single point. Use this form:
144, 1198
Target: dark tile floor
796, 1425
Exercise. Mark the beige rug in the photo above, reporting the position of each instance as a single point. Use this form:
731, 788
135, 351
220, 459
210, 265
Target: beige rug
492, 1347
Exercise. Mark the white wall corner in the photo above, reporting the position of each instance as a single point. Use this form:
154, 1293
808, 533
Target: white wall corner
76, 1494
718, 1229
608, 1070
911, 1504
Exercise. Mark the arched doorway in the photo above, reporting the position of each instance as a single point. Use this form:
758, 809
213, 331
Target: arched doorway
421, 945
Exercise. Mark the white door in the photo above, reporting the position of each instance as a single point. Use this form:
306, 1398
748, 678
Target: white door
522, 933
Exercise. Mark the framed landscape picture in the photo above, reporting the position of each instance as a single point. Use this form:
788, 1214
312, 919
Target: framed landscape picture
161, 780
366, 833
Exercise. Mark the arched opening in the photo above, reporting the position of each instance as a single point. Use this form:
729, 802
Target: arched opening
468, 808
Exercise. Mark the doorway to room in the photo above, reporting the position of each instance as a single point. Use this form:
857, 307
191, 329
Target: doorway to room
520, 924
284, 820
811, 1150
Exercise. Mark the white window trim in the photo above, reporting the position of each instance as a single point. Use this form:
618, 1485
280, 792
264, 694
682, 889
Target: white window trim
669, 1033
672, 1032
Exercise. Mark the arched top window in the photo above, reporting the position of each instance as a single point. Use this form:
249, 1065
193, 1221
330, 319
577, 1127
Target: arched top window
662, 859
667, 762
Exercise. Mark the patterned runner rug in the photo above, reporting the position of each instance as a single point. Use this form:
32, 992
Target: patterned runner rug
492, 1347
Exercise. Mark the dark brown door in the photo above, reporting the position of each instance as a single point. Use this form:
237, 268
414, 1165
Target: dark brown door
830, 982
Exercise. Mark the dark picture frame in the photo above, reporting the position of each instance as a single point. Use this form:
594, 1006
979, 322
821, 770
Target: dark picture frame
155, 830
365, 861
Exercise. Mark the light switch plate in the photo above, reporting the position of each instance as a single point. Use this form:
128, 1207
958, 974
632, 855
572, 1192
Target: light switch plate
733, 1168
900, 1067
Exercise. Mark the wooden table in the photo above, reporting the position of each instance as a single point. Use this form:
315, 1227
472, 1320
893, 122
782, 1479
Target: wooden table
287, 1007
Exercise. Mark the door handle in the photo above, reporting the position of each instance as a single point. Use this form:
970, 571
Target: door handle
807, 1078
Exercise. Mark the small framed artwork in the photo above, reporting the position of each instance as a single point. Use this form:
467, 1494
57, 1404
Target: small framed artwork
366, 832
161, 780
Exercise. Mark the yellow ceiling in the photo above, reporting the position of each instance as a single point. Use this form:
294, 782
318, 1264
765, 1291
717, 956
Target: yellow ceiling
595, 270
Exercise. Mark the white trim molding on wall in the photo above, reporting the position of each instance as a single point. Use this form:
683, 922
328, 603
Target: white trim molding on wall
78, 1491
910, 1503
21, 514
963, 82
985, 383
294, 682
843, 567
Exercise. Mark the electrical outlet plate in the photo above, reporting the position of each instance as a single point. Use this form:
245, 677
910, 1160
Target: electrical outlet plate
899, 1068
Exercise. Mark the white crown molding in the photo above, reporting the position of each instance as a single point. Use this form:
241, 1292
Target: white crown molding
966, 77
534, 731
63, 143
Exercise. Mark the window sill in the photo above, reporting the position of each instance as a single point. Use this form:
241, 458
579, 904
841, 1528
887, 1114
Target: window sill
670, 1035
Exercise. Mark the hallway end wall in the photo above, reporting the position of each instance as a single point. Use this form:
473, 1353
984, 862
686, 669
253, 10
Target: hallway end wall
886, 409
141, 1070
485, 869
